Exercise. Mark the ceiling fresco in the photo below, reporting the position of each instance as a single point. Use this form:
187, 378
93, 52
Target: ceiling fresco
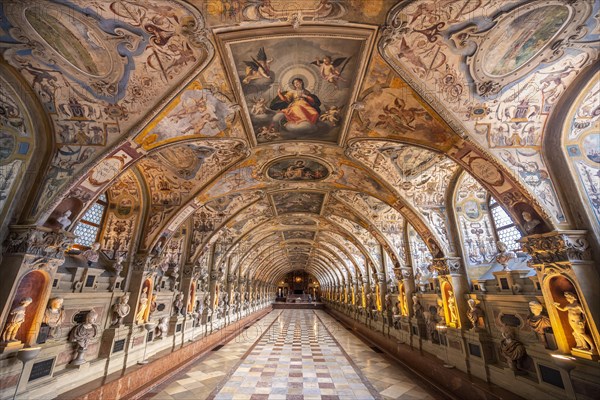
98, 70
343, 137
499, 94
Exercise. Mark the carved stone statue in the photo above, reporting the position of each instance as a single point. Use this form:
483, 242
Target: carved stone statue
576, 316
82, 334
92, 255
440, 311
530, 222
152, 305
475, 313
453, 311
120, 310
178, 306
15, 320
64, 220
140, 317
513, 350
538, 321
53, 316
396, 316
504, 255
417, 307
162, 328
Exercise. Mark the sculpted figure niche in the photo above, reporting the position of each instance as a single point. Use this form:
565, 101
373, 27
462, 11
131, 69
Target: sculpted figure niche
577, 321
538, 321
15, 320
53, 316
120, 310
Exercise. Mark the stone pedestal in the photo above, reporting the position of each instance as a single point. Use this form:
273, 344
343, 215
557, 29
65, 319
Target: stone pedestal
114, 343
479, 347
9, 347
176, 328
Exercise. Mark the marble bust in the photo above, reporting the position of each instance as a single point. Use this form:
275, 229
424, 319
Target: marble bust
82, 334
53, 316
120, 310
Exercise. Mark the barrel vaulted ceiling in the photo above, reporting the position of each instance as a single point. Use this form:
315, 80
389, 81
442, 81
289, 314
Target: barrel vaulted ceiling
180, 112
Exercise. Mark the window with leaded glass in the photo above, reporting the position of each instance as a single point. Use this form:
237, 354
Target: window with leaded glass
87, 229
507, 231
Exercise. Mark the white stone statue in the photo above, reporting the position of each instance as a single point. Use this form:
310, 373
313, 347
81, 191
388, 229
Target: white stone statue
538, 321
417, 307
474, 314
53, 316
530, 222
576, 316
15, 320
92, 255
452, 308
504, 255
162, 328
82, 334
120, 310
64, 220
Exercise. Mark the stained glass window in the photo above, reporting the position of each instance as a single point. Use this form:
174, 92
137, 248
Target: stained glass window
87, 229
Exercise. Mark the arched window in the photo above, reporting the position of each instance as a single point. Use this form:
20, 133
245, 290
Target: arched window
507, 231
88, 227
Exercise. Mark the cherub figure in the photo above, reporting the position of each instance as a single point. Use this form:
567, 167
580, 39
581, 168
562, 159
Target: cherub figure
331, 71
258, 68
576, 316
259, 107
331, 116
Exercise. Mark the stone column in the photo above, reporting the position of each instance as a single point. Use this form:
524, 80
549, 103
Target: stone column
563, 262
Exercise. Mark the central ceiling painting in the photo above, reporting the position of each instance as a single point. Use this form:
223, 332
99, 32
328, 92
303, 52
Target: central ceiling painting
297, 84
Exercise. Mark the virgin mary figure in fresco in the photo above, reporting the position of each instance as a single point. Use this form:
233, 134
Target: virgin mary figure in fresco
298, 109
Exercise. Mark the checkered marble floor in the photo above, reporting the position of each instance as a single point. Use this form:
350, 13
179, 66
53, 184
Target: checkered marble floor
296, 359
294, 354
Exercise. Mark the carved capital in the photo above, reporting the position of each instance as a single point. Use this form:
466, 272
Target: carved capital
38, 241
559, 247
447, 265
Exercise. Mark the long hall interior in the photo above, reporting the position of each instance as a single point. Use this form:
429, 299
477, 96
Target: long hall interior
309, 199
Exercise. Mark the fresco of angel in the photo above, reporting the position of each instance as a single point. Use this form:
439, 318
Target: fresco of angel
258, 68
331, 70
332, 115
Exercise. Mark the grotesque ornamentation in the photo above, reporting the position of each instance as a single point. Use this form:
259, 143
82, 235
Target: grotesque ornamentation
538, 321
82, 334
53, 316
576, 315
120, 310
557, 247
15, 320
